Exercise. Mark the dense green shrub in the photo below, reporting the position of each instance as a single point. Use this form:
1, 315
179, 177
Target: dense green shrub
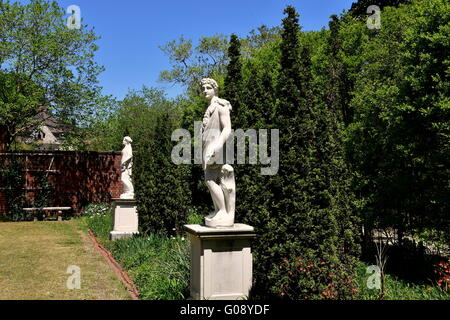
12, 180
398, 142
306, 210
162, 192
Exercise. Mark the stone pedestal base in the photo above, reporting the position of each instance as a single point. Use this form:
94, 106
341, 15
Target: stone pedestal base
125, 219
221, 262
116, 235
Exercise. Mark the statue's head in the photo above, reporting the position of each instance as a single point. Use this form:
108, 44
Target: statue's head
127, 140
209, 88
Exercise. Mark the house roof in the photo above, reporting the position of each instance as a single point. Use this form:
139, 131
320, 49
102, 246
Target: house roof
51, 122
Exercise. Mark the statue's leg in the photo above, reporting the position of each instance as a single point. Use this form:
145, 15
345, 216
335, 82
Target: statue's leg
211, 176
228, 185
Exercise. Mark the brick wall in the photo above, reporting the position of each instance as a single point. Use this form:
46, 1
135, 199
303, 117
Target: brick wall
76, 178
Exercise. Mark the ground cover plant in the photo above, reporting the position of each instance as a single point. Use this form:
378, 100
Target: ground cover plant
158, 264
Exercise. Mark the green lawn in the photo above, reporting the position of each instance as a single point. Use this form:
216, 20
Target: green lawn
35, 256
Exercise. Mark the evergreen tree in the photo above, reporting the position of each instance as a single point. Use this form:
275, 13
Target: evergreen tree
233, 78
162, 192
257, 101
307, 198
339, 85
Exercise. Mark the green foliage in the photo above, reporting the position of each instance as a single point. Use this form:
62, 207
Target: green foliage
308, 210
158, 265
12, 179
134, 116
43, 197
399, 140
44, 66
99, 218
190, 65
359, 8
304, 280
397, 289
233, 79
161, 187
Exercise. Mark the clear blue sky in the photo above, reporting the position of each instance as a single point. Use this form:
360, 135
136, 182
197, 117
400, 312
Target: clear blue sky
132, 30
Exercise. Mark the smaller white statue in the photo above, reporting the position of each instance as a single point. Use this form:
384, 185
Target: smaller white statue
126, 166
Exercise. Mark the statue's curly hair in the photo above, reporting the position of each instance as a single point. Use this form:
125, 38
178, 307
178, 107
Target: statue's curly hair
211, 82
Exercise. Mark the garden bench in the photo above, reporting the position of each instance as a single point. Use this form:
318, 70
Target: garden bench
59, 210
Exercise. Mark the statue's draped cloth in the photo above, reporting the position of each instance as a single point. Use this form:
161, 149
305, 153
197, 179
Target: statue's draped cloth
211, 130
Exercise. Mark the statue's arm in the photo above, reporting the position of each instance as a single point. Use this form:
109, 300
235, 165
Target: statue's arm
225, 122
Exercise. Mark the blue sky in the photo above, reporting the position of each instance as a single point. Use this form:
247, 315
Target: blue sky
132, 30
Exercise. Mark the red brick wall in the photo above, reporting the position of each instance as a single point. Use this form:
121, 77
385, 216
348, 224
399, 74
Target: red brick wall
77, 178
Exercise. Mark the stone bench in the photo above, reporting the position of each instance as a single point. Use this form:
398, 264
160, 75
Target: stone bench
59, 211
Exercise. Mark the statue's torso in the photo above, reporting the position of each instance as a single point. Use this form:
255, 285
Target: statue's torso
212, 129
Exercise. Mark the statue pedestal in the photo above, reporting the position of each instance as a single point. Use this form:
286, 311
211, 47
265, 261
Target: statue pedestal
125, 219
221, 262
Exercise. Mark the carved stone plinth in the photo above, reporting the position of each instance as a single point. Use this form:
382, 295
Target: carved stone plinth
221, 262
125, 219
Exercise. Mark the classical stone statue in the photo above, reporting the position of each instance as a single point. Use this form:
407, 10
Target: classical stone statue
126, 166
219, 176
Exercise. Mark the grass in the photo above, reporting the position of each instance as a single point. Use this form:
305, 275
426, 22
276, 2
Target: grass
35, 256
159, 265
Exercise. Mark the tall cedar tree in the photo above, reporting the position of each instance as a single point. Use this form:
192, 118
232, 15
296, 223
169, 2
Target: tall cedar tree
307, 207
162, 192
340, 86
233, 79
256, 98
255, 199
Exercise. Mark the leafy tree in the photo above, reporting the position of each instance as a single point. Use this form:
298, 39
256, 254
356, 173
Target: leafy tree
133, 116
400, 134
359, 8
258, 38
209, 58
190, 65
44, 66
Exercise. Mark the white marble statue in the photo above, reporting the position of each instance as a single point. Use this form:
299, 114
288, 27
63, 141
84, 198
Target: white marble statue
219, 177
126, 166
